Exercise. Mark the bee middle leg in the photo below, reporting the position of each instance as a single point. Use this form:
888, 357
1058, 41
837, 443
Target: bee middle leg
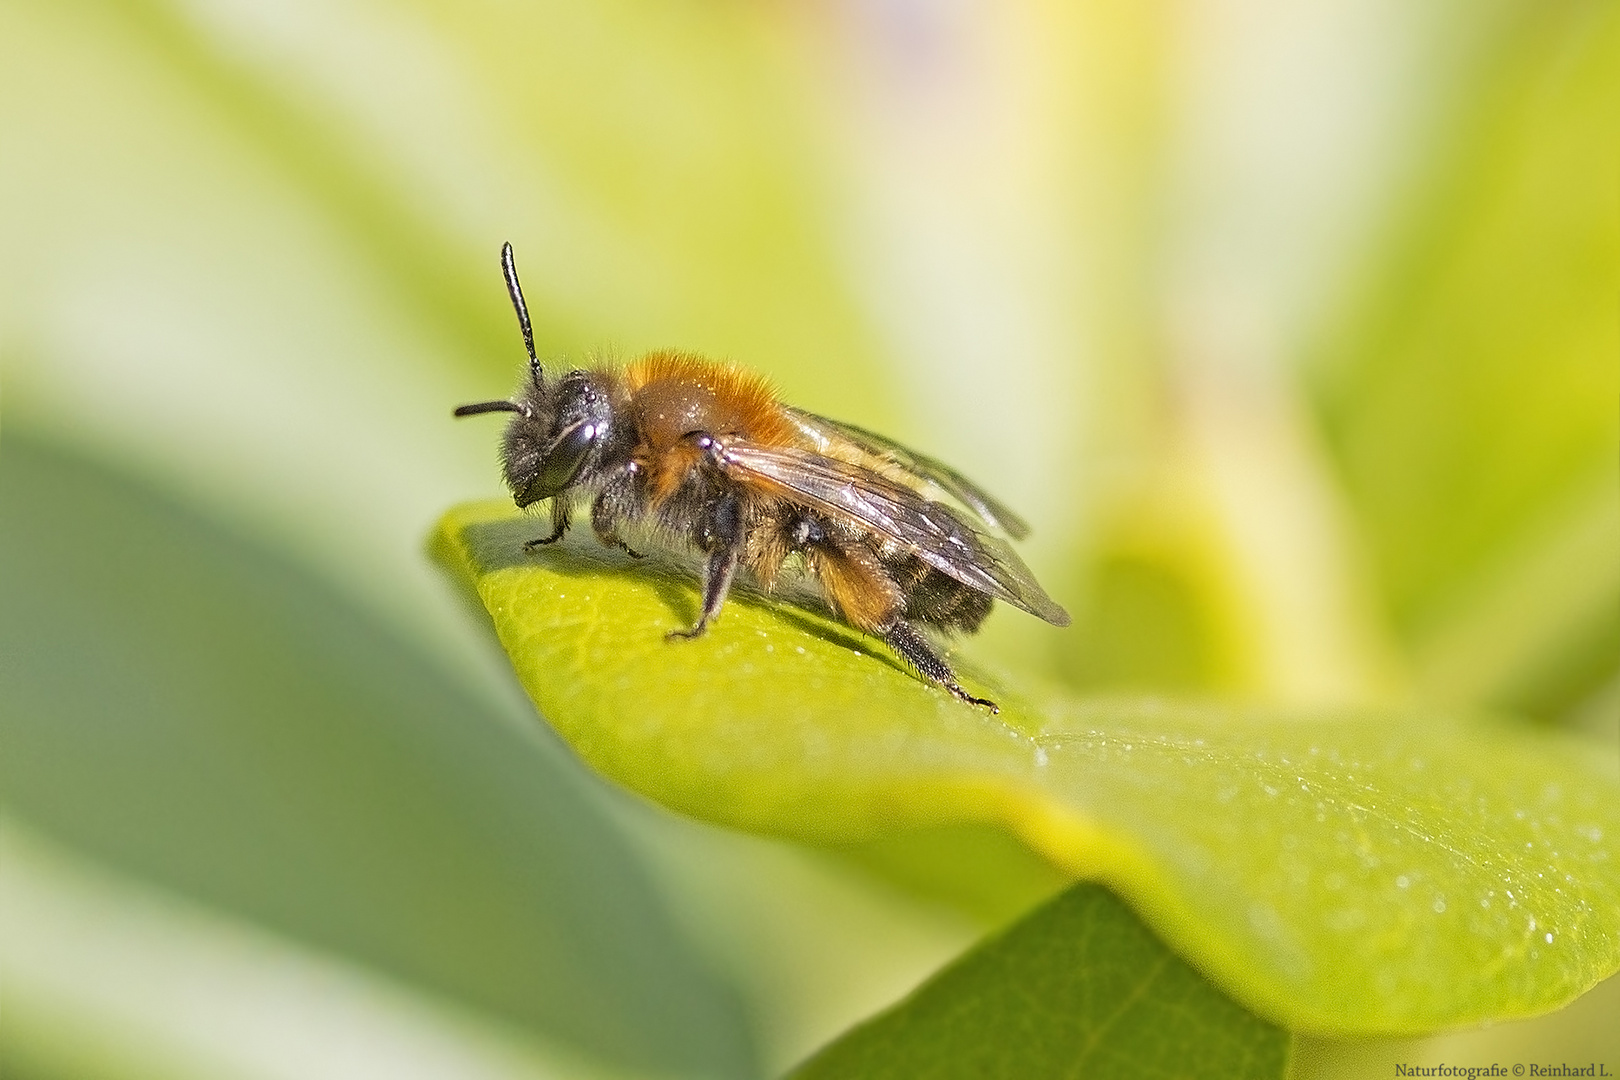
723, 535
905, 639
716, 584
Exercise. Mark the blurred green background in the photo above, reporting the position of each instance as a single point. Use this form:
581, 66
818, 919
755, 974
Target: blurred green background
1295, 331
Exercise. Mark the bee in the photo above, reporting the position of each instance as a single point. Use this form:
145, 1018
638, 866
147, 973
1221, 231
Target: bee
705, 454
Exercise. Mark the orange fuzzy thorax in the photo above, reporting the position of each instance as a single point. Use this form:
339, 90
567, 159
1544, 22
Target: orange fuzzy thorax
674, 394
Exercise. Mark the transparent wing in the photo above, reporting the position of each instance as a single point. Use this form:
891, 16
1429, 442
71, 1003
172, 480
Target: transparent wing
836, 440
938, 534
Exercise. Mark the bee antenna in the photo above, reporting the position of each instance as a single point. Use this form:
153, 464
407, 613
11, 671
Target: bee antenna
513, 289
488, 406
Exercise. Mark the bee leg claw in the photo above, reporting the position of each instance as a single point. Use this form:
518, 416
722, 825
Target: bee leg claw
624, 547
530, 545
612, 541
971, 700
686, 635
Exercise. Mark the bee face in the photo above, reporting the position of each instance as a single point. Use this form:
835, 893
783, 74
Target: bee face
557, 433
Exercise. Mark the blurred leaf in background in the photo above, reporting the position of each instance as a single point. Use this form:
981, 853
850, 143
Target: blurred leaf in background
1468, 387
188, 708
1290, 328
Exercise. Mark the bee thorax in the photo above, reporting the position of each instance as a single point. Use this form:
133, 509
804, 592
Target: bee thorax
669, 410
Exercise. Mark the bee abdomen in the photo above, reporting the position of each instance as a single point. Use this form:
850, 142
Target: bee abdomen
935, 598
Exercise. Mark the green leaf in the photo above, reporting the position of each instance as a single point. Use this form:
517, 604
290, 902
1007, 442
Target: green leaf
1350, 874
1079, 988
186, 708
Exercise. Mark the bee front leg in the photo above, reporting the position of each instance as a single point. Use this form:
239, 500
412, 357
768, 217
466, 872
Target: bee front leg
559, 525
905, 639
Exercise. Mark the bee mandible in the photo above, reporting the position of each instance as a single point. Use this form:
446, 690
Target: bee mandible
705, 454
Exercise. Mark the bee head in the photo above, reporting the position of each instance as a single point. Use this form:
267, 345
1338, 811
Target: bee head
554, 436
555, 430
556, 426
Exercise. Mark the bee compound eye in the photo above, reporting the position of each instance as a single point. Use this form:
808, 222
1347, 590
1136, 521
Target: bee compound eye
560, 462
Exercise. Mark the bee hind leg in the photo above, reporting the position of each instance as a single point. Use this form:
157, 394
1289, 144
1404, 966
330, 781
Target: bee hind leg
905, 639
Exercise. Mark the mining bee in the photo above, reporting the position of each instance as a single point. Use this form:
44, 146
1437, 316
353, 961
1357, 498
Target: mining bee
705, 454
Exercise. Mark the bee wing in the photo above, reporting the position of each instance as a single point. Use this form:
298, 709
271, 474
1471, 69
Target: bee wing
938, 534
834, 439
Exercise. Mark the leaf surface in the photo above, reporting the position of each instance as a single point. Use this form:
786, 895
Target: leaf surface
1347, 874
